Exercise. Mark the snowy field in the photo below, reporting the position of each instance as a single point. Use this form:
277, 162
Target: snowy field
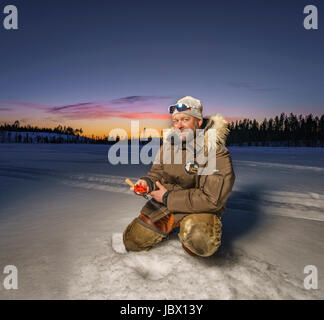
63, 208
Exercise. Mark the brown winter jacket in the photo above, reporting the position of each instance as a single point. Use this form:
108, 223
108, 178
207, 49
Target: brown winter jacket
191, 192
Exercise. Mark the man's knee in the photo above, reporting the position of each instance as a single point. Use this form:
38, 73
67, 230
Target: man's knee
140, 236
201, 233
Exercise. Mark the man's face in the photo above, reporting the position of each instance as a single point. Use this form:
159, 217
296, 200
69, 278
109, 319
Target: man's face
184, 121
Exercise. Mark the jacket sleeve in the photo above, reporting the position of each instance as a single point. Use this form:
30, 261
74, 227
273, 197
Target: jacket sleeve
155, 173
171, 186
210, 196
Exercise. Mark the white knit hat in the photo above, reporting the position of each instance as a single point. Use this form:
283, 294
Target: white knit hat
192, 102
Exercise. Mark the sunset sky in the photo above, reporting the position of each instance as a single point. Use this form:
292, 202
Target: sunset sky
99, 64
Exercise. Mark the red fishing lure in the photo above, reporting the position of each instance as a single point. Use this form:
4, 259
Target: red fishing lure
139, 189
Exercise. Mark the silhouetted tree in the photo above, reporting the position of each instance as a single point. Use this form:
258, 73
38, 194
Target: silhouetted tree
282, 130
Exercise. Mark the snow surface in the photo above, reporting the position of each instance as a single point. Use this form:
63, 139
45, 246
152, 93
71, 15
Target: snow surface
117, 243
63, 209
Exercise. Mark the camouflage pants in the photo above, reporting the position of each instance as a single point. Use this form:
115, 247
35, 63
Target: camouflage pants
199, 232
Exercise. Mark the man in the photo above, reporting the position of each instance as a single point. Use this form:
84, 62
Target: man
180, 195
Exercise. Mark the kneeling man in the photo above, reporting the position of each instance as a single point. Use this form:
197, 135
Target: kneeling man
181, 197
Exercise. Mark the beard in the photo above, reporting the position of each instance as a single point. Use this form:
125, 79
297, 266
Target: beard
188, 134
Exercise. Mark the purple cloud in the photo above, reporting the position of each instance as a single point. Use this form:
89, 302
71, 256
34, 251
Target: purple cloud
251, 87
134, 107
5, 109
137, 99
130, 107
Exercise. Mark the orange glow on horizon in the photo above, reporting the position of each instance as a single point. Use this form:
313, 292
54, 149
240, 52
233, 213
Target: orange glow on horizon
100, 127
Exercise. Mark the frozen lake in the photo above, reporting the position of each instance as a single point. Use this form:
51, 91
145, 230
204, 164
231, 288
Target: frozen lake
60, 205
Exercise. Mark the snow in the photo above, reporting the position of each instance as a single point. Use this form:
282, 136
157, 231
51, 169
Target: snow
63, 209
117, 243
280, 165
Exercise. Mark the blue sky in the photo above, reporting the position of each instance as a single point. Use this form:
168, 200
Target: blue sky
97, 64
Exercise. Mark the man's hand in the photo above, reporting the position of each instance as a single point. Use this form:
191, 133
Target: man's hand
141, 182
158, 194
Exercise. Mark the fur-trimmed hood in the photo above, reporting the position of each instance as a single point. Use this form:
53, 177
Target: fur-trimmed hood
218, 123
217, 137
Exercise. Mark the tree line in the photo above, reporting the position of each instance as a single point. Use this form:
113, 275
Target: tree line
17, 133
17, 127
283, 130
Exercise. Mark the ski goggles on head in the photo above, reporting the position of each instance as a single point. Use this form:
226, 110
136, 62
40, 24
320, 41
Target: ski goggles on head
179, 107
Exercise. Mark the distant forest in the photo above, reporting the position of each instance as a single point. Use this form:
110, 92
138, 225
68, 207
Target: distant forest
17, 133
283, 130
28, 128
